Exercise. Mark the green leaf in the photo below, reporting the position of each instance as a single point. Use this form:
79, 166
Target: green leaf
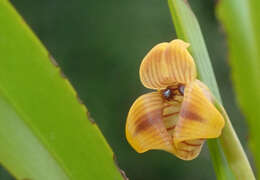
45, 132
241, 23
226, 152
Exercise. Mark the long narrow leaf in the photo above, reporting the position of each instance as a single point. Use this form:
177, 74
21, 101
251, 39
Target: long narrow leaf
241, 23
45, 132
235, 162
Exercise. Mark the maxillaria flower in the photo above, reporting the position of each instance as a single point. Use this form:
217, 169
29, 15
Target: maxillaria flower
180, 115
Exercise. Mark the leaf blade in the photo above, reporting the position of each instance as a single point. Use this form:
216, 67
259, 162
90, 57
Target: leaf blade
47, 106
243, 44
226, 151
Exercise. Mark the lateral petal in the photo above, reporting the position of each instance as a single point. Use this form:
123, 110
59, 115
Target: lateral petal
145, 129
198, 120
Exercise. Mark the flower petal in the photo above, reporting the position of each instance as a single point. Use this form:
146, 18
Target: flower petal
199, 120
167, 64
152, 68
189, 149
145, 129
180, 63
170, 114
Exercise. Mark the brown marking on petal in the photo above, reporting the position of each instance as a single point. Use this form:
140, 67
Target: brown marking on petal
122, 172
166, 64
184, 150
148, 120
152, 74
183, 64
177, 101
155, 73
158, 72
141, 110
188, 114
181, 71
170, 114
171, 128
190, 144
168, 105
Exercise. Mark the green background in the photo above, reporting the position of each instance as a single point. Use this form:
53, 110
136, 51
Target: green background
100, 44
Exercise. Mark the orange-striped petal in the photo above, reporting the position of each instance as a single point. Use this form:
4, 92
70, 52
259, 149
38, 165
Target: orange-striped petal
152, 68
167, 120
180, 63
198, 120
167, 64
145, 129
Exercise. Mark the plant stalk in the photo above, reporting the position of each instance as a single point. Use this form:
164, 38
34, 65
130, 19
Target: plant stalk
228, 156
233, 149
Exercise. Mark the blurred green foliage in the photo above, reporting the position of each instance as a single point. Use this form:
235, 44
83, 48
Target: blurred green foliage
43, 125
100, 44
244, 50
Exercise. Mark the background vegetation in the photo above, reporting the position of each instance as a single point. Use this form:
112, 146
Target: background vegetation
99, 46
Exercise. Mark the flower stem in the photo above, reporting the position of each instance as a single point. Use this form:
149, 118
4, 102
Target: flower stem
233, 149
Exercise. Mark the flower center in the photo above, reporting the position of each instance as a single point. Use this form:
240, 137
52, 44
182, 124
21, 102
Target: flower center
170, 92
173, 96
181, 88
167, 94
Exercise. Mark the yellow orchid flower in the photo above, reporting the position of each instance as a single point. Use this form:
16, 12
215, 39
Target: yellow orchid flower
180, 115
